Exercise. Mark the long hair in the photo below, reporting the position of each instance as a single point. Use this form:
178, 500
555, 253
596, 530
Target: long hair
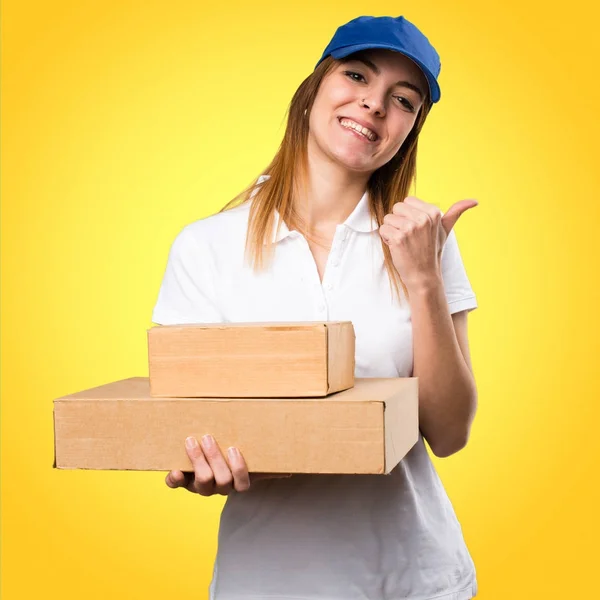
386, 186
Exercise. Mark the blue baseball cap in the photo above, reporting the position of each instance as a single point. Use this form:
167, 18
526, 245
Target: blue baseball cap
392, 33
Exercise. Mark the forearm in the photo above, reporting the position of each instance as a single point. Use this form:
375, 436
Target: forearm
447, 390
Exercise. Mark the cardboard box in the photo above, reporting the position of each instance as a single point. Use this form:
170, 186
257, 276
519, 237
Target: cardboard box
366, 429
245, 360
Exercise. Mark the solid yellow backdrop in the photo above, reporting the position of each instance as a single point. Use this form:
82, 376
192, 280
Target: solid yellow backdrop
123, 121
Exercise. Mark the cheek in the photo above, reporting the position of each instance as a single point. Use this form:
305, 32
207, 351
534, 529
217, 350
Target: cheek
401, 128
331, 98
326, 108
341, 95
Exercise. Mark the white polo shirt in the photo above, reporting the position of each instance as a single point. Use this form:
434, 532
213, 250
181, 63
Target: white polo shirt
325, 537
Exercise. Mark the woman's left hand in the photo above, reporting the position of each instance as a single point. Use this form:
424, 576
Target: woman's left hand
416, 232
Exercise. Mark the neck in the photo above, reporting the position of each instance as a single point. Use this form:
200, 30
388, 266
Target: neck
328, 195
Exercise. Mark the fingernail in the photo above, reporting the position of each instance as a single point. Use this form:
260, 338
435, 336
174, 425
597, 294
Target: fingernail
191, 443
233, 453
208, 441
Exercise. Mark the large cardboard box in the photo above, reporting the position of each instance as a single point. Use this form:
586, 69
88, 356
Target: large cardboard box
366, 429
251, 359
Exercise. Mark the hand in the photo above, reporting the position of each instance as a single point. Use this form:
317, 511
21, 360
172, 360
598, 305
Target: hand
212, 474
416, 232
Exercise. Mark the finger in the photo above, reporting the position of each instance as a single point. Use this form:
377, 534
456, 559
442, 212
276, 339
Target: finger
417, 202
203, 482
399, 221
393, 235
218, 465
175, 479
385, 232
455, 211
239, 470
424, 214
426, 207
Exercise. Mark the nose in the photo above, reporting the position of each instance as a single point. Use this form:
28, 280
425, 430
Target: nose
374, 104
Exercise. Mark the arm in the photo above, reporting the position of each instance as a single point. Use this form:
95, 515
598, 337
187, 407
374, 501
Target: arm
426, 256
447, 389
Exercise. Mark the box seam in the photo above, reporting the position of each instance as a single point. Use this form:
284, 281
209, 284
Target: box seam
327, 361
54, 422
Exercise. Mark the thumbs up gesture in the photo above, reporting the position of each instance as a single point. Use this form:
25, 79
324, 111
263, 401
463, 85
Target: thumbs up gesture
416, 232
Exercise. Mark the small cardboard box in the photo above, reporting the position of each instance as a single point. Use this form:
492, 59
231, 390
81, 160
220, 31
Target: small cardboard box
245, 360
366, 429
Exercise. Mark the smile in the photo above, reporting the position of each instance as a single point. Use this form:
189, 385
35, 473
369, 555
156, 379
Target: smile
363, 132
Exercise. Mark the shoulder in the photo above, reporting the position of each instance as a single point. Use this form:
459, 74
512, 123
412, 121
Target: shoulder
458, 289
451, 256
223, 229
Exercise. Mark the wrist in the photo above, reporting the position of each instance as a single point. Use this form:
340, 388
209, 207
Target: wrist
425, 285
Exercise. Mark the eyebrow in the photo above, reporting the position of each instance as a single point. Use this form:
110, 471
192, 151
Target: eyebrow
371, 65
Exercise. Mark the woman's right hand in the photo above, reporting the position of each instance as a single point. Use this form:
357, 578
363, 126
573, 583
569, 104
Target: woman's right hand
212, 474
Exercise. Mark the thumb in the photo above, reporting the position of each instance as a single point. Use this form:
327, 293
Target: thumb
458, 208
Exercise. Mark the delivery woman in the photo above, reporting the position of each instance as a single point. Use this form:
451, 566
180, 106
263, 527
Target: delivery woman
329, 232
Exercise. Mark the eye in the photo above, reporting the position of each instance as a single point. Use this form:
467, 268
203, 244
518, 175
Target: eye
405, 103
352, 74
358, 78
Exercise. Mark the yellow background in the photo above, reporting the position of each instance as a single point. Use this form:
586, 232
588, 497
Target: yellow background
123, 121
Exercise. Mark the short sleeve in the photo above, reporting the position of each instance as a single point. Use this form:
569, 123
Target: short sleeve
186, 293
459, 293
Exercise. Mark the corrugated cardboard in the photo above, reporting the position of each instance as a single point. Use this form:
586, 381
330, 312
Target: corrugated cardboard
245, 360
366, 429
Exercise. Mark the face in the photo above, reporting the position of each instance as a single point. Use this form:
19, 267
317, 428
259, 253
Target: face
365, 108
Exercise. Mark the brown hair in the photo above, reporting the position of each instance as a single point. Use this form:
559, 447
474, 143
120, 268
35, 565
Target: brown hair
386, 186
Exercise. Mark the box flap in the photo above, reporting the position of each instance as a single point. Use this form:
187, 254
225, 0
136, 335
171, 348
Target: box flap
138, 388
266, 325
341, 348
401, 417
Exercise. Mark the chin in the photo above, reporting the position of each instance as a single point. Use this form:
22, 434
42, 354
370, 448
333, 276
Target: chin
343, 154
352, 164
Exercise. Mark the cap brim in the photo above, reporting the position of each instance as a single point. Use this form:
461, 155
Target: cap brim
434, 88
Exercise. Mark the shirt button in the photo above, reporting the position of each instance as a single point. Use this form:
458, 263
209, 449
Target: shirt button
328, 287
321, 308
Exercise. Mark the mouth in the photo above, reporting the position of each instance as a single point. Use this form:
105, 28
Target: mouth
364, 133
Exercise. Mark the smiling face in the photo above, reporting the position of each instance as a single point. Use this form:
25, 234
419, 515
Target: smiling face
365, 108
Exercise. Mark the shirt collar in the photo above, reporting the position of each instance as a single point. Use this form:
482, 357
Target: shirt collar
360, 218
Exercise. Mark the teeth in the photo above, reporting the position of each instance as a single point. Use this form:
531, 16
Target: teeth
352, 125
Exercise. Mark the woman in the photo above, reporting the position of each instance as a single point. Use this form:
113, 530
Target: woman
332, 235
